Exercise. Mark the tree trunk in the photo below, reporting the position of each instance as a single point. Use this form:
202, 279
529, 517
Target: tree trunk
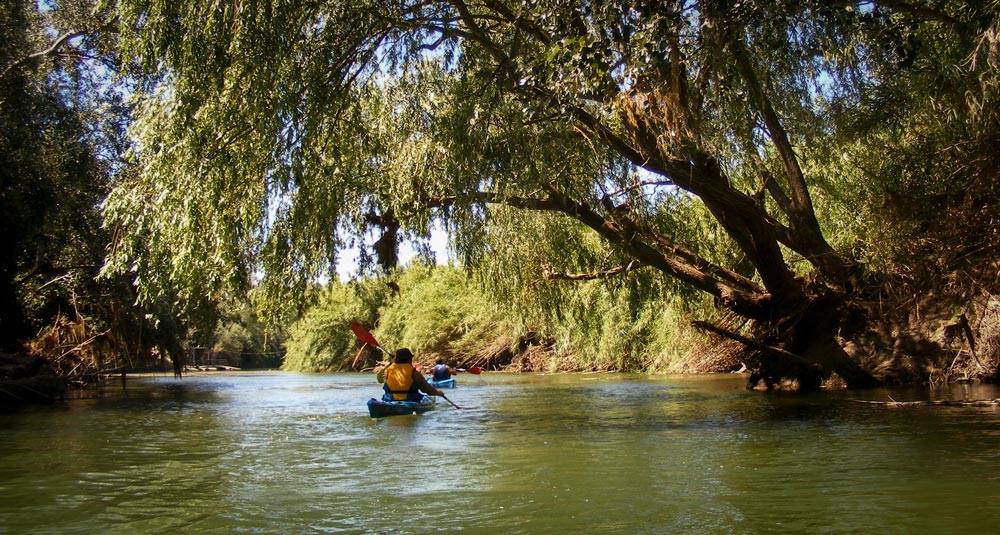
811, 332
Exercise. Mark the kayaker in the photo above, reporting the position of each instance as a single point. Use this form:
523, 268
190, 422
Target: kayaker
441, 371
402, 382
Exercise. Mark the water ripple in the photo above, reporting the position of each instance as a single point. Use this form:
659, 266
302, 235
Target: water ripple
297, 453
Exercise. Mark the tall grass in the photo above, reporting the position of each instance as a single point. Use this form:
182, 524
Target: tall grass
440, 311
620, 325
321, 340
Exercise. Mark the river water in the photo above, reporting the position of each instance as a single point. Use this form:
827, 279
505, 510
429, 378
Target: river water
290, 453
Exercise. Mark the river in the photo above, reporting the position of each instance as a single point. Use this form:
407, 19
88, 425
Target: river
291, 453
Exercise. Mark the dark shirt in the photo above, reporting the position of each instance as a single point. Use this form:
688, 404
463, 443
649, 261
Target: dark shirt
442, 372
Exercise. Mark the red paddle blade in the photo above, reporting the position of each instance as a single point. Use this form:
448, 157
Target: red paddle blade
475, 370
363, 334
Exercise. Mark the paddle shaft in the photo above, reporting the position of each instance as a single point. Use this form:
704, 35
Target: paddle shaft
450, 401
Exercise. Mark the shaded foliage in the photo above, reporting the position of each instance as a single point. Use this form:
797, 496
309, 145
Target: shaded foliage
62, 131
240, 337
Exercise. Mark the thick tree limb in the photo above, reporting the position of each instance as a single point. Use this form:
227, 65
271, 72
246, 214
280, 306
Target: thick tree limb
807, 236
722, 273
801, 202
731, 295
737, 212
770, 184
695, 172
666, 244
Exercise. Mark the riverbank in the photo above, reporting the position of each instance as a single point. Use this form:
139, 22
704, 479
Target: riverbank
915, 329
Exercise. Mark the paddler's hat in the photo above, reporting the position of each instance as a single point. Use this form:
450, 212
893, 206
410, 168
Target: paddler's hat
404, 355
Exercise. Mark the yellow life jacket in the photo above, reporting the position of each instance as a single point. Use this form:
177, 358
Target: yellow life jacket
399, 380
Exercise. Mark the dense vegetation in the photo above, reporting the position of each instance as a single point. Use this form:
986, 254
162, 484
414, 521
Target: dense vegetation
63, 134
444, 312
786, 160
60, 132
813, 181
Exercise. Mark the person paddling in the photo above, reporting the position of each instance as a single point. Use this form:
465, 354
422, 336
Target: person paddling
402, 382
441, 371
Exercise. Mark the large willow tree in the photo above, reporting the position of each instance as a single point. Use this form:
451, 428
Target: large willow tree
269, 132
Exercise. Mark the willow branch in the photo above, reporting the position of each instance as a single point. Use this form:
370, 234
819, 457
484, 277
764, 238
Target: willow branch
922, 12
52, 49
548, 274
528, 203
518, 21
639, 185
728, 293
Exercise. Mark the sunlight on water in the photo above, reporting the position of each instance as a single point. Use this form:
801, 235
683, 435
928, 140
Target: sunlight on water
289, 453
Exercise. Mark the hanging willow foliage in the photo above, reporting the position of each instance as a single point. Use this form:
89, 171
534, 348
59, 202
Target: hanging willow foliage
677, 133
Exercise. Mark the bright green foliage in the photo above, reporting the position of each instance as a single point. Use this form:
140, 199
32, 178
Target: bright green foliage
441, 311
321, 339
436, 311
636, 321
267, 132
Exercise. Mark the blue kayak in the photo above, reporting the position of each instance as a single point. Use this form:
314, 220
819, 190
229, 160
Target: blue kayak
378, 408
447, 383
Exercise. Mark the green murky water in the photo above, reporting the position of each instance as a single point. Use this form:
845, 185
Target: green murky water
287, 453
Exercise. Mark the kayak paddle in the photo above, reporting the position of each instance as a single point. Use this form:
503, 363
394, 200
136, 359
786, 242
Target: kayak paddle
450, 401
367, 338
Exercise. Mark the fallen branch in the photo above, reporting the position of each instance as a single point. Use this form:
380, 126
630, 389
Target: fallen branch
749, 342
943, 402
84, 343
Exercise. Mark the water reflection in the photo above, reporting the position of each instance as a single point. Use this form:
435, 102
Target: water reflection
298, 453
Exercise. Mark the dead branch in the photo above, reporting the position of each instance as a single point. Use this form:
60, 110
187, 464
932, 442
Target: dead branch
749, 342
56, 45
943, 402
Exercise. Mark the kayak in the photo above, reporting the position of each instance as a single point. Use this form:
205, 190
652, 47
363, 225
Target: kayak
378, 408
447, 383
